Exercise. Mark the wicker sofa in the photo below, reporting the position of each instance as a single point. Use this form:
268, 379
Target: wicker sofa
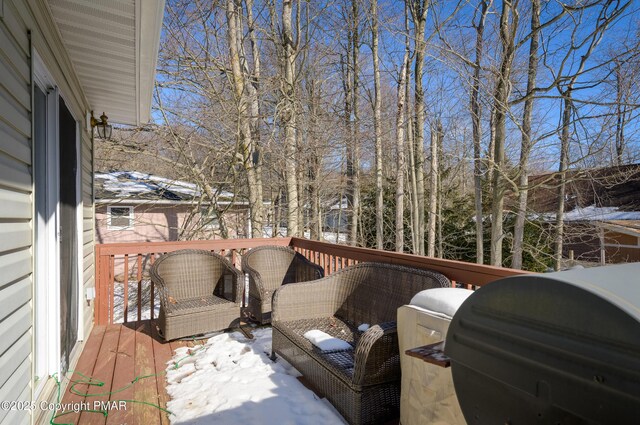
363, 383
200, 292
270, 267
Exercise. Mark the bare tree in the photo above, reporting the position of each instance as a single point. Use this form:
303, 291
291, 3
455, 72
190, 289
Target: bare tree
508, 27
419, 9
436, 141
353, 155
243, 94
526, 144
288, 115
476, 117
377, 122
566, 86
400, 160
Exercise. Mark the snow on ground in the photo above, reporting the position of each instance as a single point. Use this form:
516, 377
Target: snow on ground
231, 380
267, 232
132, 312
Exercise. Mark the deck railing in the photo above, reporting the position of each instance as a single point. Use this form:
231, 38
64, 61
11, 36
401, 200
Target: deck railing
125, 293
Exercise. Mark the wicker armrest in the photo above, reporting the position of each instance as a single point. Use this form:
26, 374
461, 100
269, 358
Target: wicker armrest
306, 270
376, 357
306, 300
239, 284
161, 289
255, 279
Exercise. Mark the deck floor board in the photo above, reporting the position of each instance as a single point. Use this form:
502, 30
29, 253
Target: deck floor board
123, 376
117, 355
103, 372
145, 390
162, 353
86, 364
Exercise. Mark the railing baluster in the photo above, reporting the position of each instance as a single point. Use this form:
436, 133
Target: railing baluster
126, 289
139, 281
152, 297
111, 282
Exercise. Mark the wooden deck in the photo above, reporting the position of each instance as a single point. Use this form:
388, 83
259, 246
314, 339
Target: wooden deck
130, 360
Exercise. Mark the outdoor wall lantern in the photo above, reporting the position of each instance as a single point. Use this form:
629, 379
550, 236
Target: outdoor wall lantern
103, 127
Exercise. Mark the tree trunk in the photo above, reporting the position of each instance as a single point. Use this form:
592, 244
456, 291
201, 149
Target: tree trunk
526, 144
289, 119
410, 132
440, 251
376, 124
621, 114
245, 133
419, 10
436, 129
400, 166
355, 127
501, 106
476, 116
314, 167
562, 168
314, 194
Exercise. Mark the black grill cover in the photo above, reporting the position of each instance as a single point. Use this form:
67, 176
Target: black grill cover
557, 348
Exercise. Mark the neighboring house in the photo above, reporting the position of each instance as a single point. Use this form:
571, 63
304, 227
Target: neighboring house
59, 60
137, 207
602, 213
335, 217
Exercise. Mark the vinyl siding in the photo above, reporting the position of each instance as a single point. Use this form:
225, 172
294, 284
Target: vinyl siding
28, 24
15, 214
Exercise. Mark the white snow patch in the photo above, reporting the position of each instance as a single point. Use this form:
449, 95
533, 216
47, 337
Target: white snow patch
231, 380
267, 232
132, 302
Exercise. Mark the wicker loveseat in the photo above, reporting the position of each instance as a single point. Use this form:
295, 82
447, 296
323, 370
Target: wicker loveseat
363, 382
199, 292
270, 267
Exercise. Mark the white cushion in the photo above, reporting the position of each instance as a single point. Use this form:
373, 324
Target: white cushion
442, 302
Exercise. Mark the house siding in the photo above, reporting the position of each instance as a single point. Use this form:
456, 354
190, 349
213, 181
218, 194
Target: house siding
162, 223
15, 213
27, 24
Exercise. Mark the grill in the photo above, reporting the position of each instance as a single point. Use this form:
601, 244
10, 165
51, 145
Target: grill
557, 348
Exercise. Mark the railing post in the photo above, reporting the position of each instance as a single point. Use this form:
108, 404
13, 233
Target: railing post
98, 286
101, 305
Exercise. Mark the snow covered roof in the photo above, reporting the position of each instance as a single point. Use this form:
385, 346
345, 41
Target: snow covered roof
604, 187
593, 213
132, 185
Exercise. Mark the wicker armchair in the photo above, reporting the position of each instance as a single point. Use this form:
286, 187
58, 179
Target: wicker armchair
270, 267
199, 292
363, 383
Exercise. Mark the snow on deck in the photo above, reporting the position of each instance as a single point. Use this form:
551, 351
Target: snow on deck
231, 380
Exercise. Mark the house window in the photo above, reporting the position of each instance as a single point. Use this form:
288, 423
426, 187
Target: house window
119, 218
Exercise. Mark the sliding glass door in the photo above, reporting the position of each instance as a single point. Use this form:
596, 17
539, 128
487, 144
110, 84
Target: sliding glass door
56, 230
